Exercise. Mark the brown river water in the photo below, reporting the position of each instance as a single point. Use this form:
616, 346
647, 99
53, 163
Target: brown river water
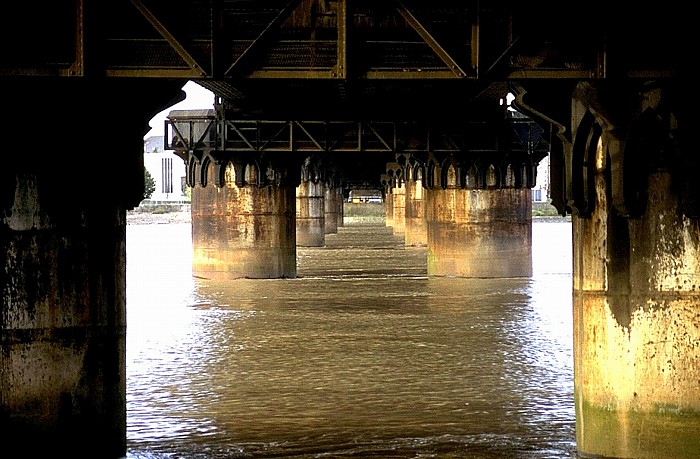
362, 355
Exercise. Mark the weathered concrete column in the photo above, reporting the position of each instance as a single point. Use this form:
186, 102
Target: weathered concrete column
479, 217
636, 332
389, 208
479, 233
246, 226
63, 264
310, 212
63, 324
341, 206
399, 211
395, 204
416, 231
636, 280
331, 208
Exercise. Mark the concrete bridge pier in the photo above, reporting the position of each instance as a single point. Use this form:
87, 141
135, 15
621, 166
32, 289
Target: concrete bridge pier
310, 207
64, 192
398, 194
387, 182
479, 223
636, 236
395, 173
416, 228
244, 222
340, 199
331, 207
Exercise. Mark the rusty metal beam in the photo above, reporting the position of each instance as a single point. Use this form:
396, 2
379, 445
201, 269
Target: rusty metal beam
410, 74
257, 136
291, 74
62, 69
532, 73
340, 71
283, 14
78, 66
308, 134
87, 49
430, 41
475, 44
154, 73
174, 43
380, 138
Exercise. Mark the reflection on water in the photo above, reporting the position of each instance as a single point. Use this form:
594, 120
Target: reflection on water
362, 355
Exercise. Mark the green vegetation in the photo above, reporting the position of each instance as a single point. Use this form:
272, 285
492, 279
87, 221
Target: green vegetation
541, 209
149, 184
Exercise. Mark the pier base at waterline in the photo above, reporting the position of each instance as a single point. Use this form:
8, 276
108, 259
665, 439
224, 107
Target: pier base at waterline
637, 330
479, 233
62, 372
398, 214
63, 265
332, 209
244, 231
310, 214
416, 229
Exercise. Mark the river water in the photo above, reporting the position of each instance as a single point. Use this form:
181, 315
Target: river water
362, 355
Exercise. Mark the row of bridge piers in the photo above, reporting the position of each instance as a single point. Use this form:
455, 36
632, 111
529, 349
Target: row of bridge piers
244, 230
624, 165
479, 233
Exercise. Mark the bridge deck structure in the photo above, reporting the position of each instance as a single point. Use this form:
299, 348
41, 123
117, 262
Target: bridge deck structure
319, 95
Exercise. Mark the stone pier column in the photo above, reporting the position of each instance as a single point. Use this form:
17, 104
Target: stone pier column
389, 208
636, 330
341, 206
331, 208
399, 208
245, 226
63, 263
416, 224
62, 376
479, 233
636, 287
310, 214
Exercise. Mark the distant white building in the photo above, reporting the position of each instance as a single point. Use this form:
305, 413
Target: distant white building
540, 192
168, 172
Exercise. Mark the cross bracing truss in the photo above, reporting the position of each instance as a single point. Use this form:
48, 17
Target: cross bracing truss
329, 39
208, 133
339, 59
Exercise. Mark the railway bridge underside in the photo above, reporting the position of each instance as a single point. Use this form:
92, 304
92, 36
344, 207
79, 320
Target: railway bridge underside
314, 97
461, 188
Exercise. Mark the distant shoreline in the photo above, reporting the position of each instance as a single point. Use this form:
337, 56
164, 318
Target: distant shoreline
160, 218
551, 218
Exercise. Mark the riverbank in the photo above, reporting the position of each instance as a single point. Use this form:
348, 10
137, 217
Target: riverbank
355, 214
157, 218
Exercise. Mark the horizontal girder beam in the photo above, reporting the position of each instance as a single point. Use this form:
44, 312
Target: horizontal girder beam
188, 131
